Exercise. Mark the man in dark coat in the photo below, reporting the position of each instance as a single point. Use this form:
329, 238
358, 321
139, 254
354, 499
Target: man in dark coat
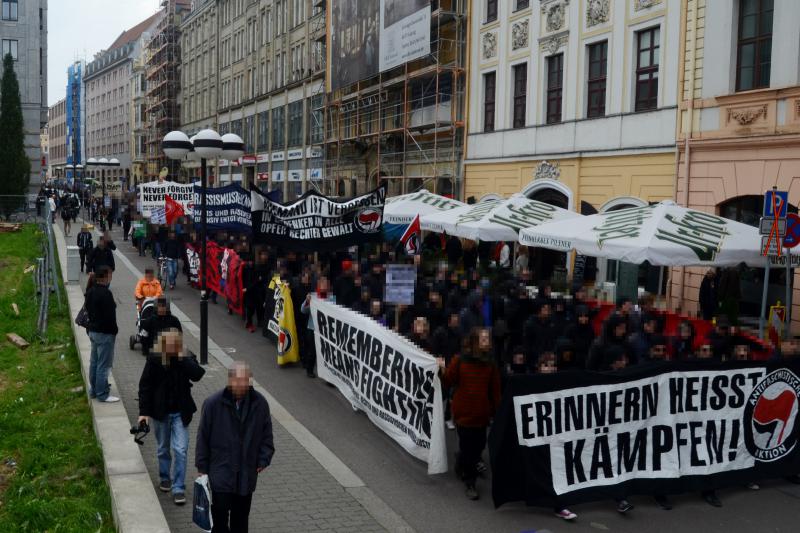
102, 311
101, 255
234, 445
165, 397
708, 295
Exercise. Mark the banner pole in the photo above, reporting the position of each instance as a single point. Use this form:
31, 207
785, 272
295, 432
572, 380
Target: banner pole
786, 302
763, 302
203, 268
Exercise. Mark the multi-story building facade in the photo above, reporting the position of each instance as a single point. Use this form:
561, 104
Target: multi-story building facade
573, 103
399, 123
76, 116
45, 144
738, 125
108, 99
57, 129
138, 112
270, 76
23, 33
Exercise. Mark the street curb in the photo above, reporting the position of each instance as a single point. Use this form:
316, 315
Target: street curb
347, 479
134, 503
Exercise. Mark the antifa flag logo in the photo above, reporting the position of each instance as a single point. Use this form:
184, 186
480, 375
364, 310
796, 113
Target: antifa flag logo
412, 245
368, 220
284, 341
771, 429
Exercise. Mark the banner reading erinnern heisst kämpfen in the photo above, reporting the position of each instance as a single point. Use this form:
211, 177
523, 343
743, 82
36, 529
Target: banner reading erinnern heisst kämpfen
384, 375
653, 429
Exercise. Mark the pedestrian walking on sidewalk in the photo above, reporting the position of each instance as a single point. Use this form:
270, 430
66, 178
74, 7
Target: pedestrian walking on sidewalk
165, 401
85, 245
102, 311
234, 445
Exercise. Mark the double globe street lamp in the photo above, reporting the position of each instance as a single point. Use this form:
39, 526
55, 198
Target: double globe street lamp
208, 144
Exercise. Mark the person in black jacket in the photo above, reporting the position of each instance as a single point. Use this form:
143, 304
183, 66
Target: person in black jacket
234, 445
102, 311
172, 251
101, 255
161, 321
708, 295
165, 401
85, 245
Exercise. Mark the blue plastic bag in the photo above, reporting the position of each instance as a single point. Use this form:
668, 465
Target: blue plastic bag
201, 513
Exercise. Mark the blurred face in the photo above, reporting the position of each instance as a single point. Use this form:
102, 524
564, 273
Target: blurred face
148, 276
453, 321
741, 352
435, 298
323, 286
421, 326
545, 311
239, 380
686, 331
705, 352
649, 326
626, 308
484, 340
171, 343
376, 307
620, 363
580, 294
619, 331
658, 351
547, 363
583, 320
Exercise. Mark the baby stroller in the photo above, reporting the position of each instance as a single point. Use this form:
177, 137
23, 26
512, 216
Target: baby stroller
148, 311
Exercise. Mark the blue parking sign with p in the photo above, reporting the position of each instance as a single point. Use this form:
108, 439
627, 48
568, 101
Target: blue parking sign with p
779, 201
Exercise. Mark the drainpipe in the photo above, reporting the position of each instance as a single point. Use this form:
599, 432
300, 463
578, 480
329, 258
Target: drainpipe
686, 141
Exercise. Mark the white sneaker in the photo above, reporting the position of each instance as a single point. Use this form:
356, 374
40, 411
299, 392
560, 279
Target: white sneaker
450, 424
753, 486
566, 514
111, 399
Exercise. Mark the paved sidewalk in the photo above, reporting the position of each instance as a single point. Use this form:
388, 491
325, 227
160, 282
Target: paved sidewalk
296, 493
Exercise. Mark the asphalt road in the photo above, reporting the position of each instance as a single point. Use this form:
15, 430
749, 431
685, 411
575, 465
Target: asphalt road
437, 503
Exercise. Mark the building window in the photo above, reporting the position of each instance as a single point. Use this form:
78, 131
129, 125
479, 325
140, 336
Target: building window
491, 10
754, 50
488, 101
10, 47
296, 123
10, 10
278, 123
520, 94
596, 97
647, 69
522, 4
555, 82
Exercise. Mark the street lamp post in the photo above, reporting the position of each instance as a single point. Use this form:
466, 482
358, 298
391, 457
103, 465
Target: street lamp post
206, 145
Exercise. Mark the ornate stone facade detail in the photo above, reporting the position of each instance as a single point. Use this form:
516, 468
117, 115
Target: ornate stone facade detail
797, 108
638, 5
519, 34
555, 15
596, 12
489, 48
546, 170
746, 115
552, 44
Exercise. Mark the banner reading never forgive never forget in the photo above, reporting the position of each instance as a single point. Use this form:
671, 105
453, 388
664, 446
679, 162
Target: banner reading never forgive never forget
653, 429
383, 374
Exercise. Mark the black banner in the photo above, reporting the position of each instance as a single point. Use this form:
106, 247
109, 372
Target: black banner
317, 223
227, 208
668, 428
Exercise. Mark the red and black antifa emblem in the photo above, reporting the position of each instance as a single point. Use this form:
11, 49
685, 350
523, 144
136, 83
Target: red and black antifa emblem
368, 220
770, 416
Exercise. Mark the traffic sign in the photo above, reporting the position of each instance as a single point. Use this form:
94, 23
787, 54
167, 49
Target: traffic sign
781, 202
766, 223
794, 260
773, 245
792, 233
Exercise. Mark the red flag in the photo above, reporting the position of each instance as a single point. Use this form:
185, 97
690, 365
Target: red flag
173, 210
411, 238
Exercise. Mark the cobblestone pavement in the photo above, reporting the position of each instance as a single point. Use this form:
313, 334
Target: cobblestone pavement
294, 494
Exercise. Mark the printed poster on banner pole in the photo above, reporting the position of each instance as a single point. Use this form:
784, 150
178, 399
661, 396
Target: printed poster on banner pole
384, 375
660, 428
152, 195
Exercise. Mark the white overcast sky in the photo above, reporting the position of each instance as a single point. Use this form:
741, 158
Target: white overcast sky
77, 29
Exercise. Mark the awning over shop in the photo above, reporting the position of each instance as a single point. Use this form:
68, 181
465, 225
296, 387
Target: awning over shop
495, 220
403, 209
664, 234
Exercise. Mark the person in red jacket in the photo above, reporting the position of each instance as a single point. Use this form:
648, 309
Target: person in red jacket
476, 380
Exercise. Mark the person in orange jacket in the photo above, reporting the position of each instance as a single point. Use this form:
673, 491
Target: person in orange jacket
147, 287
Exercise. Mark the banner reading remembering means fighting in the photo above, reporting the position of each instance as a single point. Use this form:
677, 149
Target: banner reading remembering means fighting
393, 381
653, 429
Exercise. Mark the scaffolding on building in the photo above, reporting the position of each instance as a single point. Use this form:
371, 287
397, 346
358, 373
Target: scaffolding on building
163, 55
404, 127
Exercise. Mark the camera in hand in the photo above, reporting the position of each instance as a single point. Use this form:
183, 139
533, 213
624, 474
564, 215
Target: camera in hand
139, 432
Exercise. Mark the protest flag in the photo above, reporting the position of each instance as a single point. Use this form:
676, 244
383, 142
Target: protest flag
411, 238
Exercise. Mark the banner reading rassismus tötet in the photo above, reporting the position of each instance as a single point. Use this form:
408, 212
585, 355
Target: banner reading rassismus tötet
383, 374
665, 428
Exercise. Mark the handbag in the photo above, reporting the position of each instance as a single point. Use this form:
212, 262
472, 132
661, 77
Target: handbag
201, 511
83, 317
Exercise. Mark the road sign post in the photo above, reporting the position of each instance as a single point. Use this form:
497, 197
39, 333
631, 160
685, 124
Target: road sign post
776, 205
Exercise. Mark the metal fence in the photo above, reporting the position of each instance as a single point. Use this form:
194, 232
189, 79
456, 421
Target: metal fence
27, 210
